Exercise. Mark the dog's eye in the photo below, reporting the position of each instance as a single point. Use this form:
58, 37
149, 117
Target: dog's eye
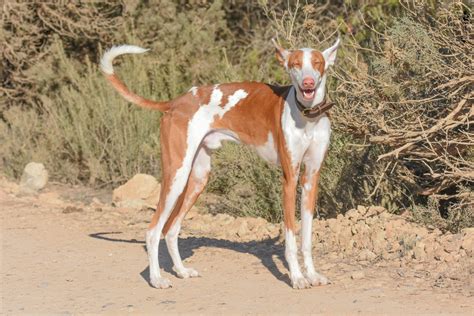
296, 64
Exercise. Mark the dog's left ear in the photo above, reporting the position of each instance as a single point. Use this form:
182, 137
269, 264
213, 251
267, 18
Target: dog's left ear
330, 54
281, 53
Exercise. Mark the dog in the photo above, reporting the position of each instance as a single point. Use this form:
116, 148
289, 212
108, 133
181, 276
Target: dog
287, 126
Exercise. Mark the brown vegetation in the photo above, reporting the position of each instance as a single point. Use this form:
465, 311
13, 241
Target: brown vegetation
413, 102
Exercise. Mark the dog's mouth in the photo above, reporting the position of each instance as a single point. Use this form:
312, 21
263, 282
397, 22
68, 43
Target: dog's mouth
308, 94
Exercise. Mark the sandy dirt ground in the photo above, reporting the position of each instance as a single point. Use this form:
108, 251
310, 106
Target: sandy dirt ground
63, 255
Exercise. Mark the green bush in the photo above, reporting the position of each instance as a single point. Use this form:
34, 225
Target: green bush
86, 131
83, 130
246, 185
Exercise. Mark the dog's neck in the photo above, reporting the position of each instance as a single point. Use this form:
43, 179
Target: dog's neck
315, 110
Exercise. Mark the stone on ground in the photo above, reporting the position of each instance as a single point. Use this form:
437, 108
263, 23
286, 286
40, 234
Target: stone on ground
34, 178
142, 190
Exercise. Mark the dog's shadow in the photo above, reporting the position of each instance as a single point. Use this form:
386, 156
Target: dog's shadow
265, 250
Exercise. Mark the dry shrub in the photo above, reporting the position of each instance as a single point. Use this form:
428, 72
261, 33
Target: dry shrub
409, 93
27, 32
455, 220
86, 132
78, 125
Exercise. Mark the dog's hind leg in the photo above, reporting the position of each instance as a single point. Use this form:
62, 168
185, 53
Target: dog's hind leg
196, 183
177, 154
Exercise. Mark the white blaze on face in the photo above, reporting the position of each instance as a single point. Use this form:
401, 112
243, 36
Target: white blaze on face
306, 95
307, 67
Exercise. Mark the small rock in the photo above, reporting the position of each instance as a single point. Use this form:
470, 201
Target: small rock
361, 209
437, 232
154, 197
394, 246
344, 237
390, 255
371, 221
354, 230
385, 216
420, 232
468, 247
333, 256
223, 219
378, 241
350, 245
204, 226
353, 215
243, 229
141, 190
419, 251
374, 210
238, 227
468, 241
448, 257
357, 275
34, 178
334, 225
255, 223
468, 231
440, 254
367, 255
72, 209
453, 246
192, 213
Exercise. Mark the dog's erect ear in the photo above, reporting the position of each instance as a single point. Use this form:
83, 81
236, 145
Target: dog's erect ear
281, 53
330, 54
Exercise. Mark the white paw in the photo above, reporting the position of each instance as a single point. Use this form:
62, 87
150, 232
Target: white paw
187, 273
300, 283
316, 279
161, 283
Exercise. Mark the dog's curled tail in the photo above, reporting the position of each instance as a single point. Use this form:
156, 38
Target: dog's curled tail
108, 70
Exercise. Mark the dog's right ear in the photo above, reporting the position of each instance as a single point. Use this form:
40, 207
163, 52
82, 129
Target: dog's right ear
281, 53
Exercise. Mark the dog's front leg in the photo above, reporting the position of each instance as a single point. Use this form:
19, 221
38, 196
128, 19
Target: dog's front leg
308, 200
291, 250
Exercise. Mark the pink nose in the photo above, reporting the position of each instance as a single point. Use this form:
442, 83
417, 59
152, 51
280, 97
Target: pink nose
308, 83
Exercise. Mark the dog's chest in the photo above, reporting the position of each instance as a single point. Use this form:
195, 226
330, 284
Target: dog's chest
304, 139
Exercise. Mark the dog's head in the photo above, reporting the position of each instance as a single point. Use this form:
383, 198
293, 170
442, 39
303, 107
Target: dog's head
307, 69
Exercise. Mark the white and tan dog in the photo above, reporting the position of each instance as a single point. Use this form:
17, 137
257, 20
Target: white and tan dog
286, 126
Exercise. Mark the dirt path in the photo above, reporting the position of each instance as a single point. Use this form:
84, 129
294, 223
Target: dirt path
58, 259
